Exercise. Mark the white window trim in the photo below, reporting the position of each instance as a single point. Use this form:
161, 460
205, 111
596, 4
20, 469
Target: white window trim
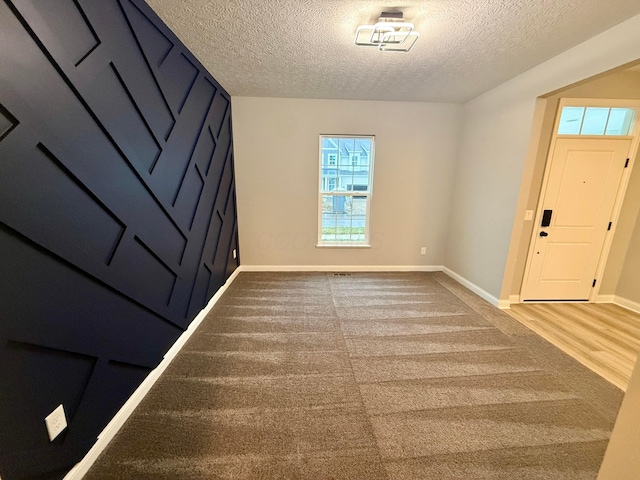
366, 243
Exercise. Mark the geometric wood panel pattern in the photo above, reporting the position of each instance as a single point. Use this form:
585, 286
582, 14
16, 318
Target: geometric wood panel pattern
117, 214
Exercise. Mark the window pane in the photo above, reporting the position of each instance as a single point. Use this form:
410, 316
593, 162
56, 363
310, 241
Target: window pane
346, 149
329, 218
571, 120
358, 218
343, 218
329, 143
329, 183
620, 121
595, 121
329, 163
361, 169
361, 179
346, 165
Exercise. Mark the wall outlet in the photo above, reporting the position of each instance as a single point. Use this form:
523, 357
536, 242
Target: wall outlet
234, 253
56, 422
423, 251
528, 215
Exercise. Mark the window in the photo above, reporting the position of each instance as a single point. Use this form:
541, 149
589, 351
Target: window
345, 190
596, 121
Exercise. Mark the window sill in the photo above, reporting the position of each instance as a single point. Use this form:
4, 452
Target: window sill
343, 245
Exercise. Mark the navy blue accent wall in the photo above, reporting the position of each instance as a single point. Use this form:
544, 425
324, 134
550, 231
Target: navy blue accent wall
117, 214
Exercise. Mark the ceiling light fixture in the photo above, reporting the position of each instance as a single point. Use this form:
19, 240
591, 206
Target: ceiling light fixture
390, 34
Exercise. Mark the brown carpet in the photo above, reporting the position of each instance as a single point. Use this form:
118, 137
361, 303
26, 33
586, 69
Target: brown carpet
364, 376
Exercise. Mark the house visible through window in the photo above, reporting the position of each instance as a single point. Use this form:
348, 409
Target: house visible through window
346, 175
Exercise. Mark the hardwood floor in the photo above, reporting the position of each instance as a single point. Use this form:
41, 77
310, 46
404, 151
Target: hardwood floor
603, 337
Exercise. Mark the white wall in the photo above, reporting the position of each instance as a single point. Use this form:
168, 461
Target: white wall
621, 460
495, 138
629, 284
276, 159
626, 245
487, 183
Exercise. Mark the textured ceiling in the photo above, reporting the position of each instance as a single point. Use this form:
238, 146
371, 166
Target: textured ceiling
304, 48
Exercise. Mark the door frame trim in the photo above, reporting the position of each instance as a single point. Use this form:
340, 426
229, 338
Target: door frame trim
622, 189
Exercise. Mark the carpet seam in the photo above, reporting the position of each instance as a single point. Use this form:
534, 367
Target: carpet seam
355, 381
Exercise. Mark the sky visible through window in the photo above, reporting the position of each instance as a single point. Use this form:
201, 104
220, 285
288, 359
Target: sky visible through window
596, 121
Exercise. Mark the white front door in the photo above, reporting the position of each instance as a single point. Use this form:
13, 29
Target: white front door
573, 218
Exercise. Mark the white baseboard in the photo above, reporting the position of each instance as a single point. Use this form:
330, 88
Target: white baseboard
473, 287
377, 268
342, 268
504, 304
626, 303
82, 467
620, 301
605, 298
109, 432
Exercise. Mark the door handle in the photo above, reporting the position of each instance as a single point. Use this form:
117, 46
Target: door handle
544, 234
